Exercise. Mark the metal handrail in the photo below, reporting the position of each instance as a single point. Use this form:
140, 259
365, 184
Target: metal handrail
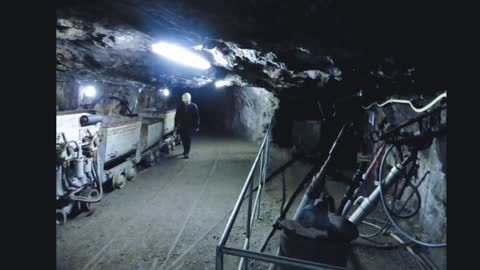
245, 253
239, 202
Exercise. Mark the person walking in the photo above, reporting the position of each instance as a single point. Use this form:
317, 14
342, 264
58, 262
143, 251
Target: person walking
187, 122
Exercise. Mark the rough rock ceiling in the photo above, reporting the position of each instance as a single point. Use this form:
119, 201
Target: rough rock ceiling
267, 43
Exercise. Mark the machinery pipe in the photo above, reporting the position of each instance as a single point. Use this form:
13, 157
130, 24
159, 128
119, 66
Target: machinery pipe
367, 204
316, 186
87, 120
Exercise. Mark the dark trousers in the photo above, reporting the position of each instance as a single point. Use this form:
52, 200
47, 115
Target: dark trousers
186, 136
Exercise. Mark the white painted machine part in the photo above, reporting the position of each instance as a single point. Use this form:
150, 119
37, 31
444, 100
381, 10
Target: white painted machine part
121, 140
367, 204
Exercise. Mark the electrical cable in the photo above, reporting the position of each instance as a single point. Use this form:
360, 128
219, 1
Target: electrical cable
387, 211
417, 110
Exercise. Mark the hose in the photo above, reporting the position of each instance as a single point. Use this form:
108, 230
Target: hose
100, 187
85, 199
66, 182
279, 170
416, 188
372, 165
364, 177
389, 216
318, 181
417, 110
298, 190
380, 230
408, 183
377, 244
347, 207
77, 191
290, 201
421, 262
349, 203
417, 209
346, 203
428, 261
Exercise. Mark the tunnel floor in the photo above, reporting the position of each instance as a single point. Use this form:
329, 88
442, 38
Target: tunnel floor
173, 214
163, 212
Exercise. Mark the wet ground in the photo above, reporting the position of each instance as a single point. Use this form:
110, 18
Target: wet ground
173, 214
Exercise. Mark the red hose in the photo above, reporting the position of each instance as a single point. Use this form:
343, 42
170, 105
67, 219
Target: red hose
375, 159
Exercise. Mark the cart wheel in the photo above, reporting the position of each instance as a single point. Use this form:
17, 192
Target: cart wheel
89, 193
119, 181
61, 217
149, 160
152, 159
157, 154
131, 173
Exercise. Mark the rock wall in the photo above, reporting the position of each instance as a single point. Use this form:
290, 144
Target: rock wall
138, 95
252, 111
111, 57
306, 137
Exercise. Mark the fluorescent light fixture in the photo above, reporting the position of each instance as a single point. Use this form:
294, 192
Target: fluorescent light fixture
89, 91
180, 55
222, 83
166, 92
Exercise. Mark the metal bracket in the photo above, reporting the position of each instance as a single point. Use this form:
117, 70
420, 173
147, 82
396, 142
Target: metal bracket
359, 200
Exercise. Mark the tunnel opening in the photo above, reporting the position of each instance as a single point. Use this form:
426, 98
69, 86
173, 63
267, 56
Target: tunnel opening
215, 107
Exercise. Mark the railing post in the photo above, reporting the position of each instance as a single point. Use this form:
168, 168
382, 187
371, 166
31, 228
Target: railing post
250, 195
263, 172
260, 164
260, 182
249, 215
219, 259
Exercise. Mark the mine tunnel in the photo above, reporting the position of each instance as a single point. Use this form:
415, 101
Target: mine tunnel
249, 135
